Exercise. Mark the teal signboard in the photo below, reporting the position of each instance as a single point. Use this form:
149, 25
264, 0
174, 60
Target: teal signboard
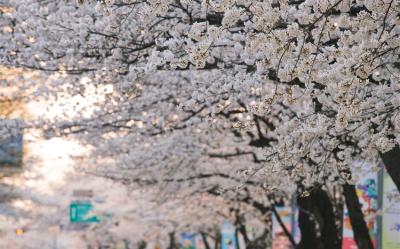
78, 212
228, 236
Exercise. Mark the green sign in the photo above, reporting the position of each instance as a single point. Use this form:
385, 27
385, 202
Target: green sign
78, 212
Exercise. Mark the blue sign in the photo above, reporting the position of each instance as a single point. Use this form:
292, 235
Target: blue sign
228, 236
188, 240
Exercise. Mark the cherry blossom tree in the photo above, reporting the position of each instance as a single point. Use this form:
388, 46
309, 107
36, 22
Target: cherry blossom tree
311, 56
320, 77
250, 203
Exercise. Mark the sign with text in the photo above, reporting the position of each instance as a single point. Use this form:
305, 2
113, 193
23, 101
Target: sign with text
78, 213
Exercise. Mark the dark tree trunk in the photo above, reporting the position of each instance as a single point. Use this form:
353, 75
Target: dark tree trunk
217, 239
204, 238
360, 229
142, 245
172, 243
316, 217
307, 225
243, 232
391, 159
